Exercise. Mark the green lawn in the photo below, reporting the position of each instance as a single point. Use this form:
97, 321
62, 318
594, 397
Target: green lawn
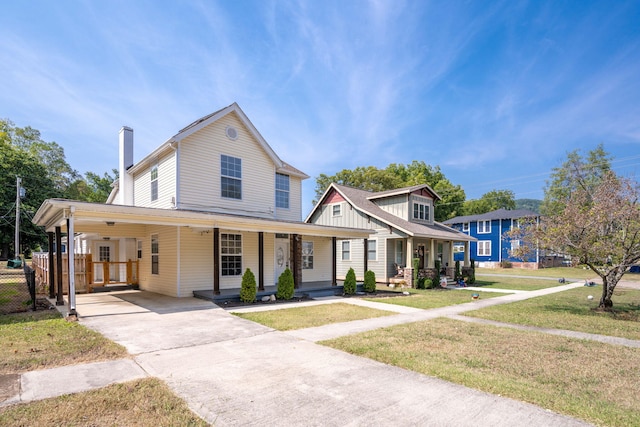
588, 380
572, 310
515, 283
556, 272
314, 315
43, 339
434, 298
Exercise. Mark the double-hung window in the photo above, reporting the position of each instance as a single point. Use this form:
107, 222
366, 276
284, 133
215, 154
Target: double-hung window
465, 227
154, 182
336, 210
484, 227
231, 254
155, 254
307, 255
231, 177
372, 250
484, 248
421, 211
282, 191
346, 250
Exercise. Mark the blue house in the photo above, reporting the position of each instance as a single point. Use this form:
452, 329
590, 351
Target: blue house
492, 246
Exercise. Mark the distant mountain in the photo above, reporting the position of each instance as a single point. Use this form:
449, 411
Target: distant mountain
531, 204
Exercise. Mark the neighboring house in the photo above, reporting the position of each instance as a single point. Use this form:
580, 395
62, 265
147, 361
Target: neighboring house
195, 213
492, 245
401, 226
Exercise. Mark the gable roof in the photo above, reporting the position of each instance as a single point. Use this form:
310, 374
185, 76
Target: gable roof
205, 121
362, 201
404, 190
497, 214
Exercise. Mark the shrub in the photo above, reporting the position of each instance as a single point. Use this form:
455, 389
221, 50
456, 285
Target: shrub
369, 281
415, 264
248, 288
429, 283
472, 273
457, 275
437, 265
285, 285
421, 283
350, 283
506, 264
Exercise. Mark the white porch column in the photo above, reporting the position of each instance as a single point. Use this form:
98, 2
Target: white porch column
432, 254
409, 252
72, 261
451, 262
467, 255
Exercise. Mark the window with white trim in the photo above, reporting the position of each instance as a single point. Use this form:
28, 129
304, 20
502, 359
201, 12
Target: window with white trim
336, 210
421, 211
400, 252
484, 248
231, 177
155, 254
307, 255
139, 249
346, 250
231, 254
372, 250
465, 227
484, 227
154, 182
282, 191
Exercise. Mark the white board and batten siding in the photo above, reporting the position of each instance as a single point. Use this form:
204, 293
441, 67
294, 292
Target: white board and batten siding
396, 205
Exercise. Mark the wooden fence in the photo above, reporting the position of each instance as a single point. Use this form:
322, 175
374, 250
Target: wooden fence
89, 274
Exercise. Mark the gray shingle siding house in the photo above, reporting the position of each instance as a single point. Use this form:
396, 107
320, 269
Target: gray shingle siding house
492, 245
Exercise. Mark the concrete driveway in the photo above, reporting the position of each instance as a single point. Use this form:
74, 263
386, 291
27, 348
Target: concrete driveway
234, 372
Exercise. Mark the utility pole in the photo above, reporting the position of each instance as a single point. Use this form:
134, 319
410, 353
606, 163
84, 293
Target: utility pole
17, 242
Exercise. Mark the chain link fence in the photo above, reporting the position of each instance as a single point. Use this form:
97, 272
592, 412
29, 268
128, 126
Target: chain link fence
17, 288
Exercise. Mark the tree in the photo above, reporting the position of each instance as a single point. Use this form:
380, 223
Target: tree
92, 187
530, 204
397, 176
599, 226
491, 201
577, 172
286, 285
248, 288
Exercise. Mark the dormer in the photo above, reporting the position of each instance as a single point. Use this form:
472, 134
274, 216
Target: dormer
414, 204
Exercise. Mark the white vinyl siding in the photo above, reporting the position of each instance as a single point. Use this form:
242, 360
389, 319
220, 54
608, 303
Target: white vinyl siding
166, 183
165, 282
200, 171
322, 256
196, 261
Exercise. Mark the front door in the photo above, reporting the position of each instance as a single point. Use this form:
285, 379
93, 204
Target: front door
282, 257
422, 256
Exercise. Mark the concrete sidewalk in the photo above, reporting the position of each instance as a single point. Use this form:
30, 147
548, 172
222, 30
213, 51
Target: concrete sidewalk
232, 371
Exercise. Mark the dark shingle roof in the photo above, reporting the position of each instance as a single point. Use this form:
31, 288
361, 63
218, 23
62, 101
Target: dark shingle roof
497, 214
360, 200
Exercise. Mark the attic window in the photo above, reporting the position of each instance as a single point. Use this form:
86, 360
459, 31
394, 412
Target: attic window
232, 133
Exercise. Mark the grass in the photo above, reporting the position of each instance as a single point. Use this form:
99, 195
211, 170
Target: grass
43, 339
146, 402
434, 298
588, 380
555, 272
310, 316
515, 283
572, 310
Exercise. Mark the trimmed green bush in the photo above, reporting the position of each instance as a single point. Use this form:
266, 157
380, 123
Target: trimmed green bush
457, 274
430, 283
415, 263
421, 283
350, 282
438, 266
369, 281
472, 273
285, 285
248, 289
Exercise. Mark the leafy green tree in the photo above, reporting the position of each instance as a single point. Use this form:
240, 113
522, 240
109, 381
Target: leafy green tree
578, 172
92, 187
598, 226
397, 176
38, 187
491, 201
530, 204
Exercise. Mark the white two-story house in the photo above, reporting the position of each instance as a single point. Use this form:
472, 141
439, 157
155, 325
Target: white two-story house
401, 227
194, 214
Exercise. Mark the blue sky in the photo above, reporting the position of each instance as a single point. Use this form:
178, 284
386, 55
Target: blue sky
495, 93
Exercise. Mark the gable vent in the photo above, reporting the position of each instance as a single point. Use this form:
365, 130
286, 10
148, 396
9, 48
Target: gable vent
232, 133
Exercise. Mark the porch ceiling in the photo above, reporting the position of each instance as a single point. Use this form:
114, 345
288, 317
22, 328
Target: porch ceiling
89, 216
